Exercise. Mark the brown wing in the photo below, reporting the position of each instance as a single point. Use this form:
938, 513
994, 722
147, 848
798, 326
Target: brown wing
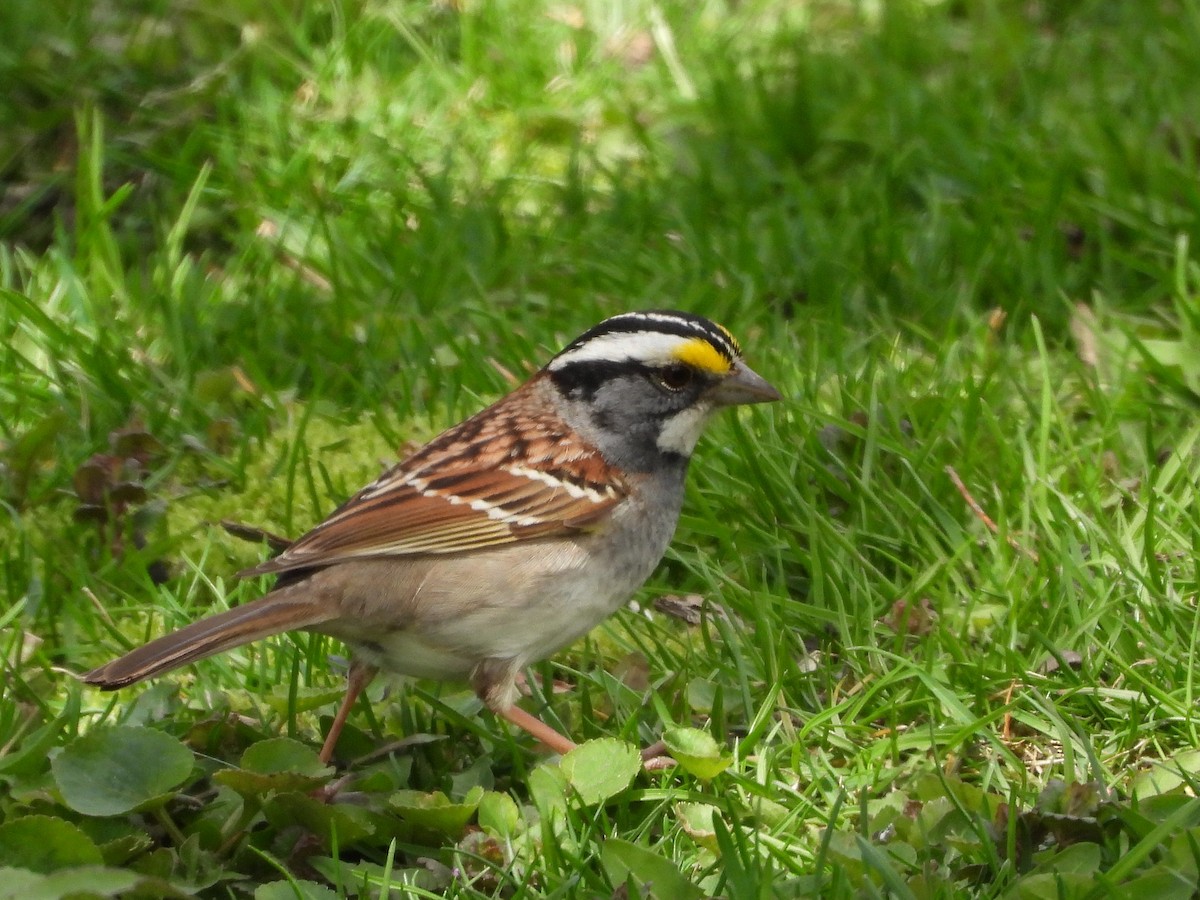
513, 472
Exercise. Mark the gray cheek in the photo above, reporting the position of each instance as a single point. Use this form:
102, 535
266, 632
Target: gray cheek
624, 419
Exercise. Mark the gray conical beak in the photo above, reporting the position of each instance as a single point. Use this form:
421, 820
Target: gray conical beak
744, 385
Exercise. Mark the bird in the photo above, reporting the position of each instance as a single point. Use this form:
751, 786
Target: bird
508, 536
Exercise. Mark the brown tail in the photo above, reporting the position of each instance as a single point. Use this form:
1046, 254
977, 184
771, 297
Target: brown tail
283, 610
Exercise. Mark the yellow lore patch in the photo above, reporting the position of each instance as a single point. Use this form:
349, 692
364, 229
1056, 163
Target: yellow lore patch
703, 355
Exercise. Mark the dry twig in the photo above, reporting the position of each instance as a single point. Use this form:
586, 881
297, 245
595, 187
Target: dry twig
984, 517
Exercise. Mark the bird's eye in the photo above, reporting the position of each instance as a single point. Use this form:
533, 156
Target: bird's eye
675, 377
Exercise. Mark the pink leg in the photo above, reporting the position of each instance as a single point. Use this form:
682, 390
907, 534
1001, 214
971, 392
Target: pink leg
360, 676
654, 758
557, 742
493, 679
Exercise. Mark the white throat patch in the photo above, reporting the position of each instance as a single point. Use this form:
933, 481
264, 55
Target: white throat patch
680, 432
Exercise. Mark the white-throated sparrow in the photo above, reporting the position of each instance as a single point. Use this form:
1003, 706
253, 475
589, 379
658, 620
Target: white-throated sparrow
508, 536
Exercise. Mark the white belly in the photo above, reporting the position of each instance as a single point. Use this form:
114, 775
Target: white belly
438, 617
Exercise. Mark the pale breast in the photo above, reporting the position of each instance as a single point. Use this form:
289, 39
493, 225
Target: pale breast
437, 617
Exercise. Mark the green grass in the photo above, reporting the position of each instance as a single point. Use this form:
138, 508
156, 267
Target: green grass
249, 253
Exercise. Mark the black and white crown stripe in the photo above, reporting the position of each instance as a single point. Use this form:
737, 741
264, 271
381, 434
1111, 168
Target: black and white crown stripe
648, 336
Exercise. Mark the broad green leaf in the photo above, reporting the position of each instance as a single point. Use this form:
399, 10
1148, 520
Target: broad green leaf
83, 881
1176, 355
368, 878
1181, 855
601, 769
499, 814
1075, 800
968, 796
351, 824
700, 694
1167, 775
115, 770
1083, 859
283, 755
650, 870
768, 812
548, 788
121, 850
158, 863
1055, 886
276, 765
255, 784
697, 751
696, 820
478, 774
46, 844
435, 810
293, 890
939, 819
1162, 882
844, 847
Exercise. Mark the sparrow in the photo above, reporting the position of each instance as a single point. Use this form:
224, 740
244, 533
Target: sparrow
507, 537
